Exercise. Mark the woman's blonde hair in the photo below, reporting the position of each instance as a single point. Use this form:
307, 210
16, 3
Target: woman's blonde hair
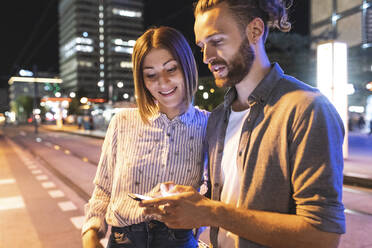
172, 40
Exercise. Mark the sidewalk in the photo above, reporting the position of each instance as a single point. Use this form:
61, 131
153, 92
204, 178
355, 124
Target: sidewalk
100, 134
357, 167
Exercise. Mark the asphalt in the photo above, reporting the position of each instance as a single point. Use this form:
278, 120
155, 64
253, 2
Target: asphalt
357, 165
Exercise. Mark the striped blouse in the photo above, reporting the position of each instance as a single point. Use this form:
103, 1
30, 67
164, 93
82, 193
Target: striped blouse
137, 157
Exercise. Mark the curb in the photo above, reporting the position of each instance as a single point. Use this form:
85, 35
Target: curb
358, 181
77, 133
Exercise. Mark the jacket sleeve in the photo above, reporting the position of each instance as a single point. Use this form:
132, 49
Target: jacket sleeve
315, 153
96, 208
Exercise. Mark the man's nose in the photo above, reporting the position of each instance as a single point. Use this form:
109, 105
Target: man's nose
208, 54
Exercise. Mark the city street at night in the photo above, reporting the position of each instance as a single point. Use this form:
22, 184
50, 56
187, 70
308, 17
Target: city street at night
46, 179
276, 94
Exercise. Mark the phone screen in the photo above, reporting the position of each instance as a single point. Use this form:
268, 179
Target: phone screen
138, 197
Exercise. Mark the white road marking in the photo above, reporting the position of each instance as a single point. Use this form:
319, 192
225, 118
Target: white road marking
78, 221
56, 193
7, 181
356, 212
48, 185
42, 177
352, 174
67, 206
36, 172
14, 202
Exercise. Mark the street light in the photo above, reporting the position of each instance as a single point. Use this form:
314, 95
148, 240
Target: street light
369, 86
332, 78
25, 73
83, 100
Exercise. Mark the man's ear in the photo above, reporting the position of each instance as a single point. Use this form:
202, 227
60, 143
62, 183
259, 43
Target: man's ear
255, 30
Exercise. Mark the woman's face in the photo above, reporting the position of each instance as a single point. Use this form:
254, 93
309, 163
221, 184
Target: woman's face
164, 79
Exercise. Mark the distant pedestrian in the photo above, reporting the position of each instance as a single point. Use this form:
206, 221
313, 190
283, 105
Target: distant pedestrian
361, 122
80, 121
350, 124
91, 123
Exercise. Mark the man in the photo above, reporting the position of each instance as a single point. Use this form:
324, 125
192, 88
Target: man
274, 145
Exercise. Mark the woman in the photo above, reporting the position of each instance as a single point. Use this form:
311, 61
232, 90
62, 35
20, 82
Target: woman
159, 141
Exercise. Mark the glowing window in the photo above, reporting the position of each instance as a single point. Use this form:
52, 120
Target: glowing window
127, 13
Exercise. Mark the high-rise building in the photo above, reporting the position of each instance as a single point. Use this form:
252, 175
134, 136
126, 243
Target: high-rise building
350, 22
96, 43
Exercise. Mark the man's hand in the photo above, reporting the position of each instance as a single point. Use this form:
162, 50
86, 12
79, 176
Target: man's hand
90, 239
185, 208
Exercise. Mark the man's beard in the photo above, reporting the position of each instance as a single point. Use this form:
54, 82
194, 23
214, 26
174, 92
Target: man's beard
238, 67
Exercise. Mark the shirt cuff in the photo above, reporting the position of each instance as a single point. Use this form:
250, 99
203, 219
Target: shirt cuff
97, 224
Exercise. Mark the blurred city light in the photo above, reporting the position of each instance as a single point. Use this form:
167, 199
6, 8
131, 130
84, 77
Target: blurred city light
36, 111
335, 17
72, 94
332, 78
205, 95
126, 64
100, 83
84, 100
350, 89
356, 109
366, 5
369, 86
25, 73
34, 80
201, 87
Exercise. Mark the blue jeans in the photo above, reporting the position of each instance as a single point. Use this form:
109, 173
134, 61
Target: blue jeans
153, 234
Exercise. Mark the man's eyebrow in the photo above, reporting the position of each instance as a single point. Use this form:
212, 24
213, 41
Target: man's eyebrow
199, 43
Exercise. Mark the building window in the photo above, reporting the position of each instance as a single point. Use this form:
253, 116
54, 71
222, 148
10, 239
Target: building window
127, 13
84, 63
120, 49
126, 64
368, 25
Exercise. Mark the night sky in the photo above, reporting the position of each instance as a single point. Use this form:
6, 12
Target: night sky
29, 31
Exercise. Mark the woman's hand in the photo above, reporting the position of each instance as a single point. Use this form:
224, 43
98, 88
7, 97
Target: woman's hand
90, 239
184, 208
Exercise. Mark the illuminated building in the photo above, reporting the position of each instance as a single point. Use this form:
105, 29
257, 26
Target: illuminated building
349, 22
24, 86
96, 44
3, 100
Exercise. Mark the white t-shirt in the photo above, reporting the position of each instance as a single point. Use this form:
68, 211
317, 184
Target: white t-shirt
230, 173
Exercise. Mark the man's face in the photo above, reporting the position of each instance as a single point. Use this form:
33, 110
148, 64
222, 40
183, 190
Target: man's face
225, 48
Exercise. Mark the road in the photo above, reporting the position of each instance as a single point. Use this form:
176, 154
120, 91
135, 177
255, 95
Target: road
46, 179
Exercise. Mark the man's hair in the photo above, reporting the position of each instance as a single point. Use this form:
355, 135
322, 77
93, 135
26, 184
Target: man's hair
173, 41
272, 12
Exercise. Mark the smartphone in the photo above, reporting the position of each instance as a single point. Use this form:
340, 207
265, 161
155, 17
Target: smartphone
138, 197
